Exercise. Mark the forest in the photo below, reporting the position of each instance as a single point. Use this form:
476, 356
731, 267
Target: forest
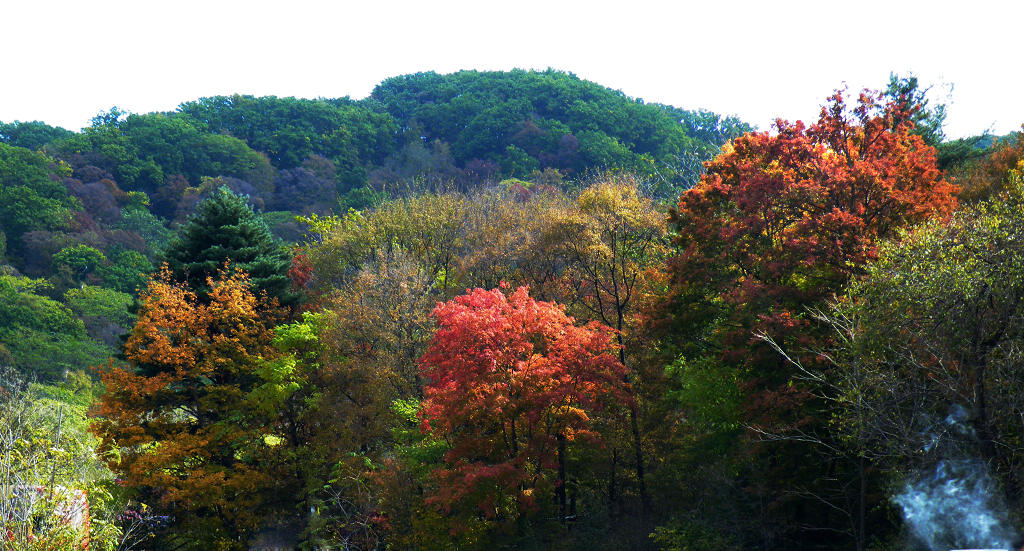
511, 310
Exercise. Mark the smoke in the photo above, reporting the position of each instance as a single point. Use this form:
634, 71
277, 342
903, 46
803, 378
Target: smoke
958, 505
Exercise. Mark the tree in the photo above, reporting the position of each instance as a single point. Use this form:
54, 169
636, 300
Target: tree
127, 270
380, 273
710, 132
612, 239
989, 174
30, 135
532, 119
923, 365
780, 223
79, 261
105, 312
225, 229
912, 98
939, 318
102, 199
179, 423
426, 229
290, 130
303, 189
31, 194
43, 337
512, 384
369, 335
144, 152
457, 240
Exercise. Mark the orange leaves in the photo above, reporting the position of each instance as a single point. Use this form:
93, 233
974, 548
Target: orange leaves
781, 221
177, 415
178, 338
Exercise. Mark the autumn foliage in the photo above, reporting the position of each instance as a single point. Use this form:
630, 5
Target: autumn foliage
780, 223
640, 400
510, 377
783, 220
177, 421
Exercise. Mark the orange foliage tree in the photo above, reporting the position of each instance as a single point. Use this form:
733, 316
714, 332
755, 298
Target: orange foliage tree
178, 423
778, 225
989, 175
782, 221
512, 383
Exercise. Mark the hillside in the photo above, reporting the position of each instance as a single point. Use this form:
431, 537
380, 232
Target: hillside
519, 310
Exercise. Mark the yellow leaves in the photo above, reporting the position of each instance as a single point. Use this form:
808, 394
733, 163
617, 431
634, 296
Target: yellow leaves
271, 440
617, 206
728, 148
174, 327
173, 416
573, 416
617, 201
609, 240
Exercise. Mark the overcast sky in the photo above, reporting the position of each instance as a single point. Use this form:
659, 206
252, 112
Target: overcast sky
65, 61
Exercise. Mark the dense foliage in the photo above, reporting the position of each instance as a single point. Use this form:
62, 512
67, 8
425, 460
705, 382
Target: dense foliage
517, 386
225, 231
522, 122
181, 413
460, 314
778, 225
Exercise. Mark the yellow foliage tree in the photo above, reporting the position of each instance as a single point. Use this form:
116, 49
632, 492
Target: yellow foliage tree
178, 423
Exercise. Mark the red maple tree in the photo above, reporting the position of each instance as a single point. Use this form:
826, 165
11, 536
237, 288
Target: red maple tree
783, 220
513, 382
779, 225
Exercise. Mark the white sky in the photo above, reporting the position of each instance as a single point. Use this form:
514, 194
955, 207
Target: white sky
65, 61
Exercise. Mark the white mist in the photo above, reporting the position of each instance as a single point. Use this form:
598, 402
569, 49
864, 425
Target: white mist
958, 506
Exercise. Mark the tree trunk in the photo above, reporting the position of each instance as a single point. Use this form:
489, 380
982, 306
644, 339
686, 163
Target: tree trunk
611, 483
634, 426
560, 488
862, 502
638, 451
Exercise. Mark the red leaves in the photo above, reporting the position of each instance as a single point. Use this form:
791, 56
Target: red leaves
506, 376
782, 221
301, 271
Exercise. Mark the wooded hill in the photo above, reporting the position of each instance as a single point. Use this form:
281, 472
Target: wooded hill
509, 309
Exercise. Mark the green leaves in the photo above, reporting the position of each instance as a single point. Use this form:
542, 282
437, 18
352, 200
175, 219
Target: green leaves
91, 301
526, 120
81, 260
226, 230
144, 152
43, 336
31, 194
281, 377
290, 130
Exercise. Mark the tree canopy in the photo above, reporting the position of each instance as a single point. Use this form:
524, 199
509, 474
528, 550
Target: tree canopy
511, 382
481, 326
225, 231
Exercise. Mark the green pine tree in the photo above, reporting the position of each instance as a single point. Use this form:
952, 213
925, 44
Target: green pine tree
224, 228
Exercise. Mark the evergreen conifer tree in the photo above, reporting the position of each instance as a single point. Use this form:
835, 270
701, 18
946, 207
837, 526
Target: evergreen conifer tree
224, 228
